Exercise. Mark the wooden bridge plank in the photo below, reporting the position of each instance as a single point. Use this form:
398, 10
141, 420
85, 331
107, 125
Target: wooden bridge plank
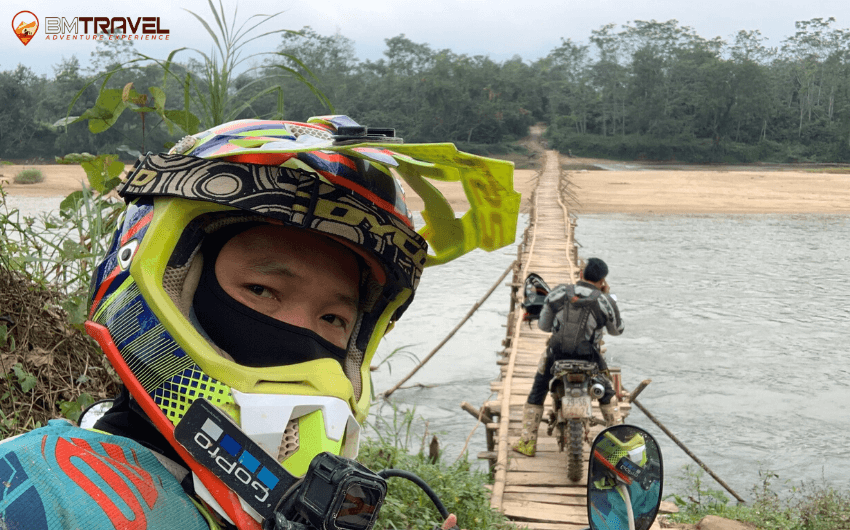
548, 498
562, 491
544, 480
538, 511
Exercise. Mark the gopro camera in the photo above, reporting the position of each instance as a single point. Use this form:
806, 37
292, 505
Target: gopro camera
337, 494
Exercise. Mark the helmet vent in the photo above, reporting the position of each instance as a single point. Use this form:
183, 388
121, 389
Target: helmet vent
298, 130
172, 283
290, 441
353, 359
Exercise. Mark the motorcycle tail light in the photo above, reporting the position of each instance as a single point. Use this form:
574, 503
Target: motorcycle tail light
575, 378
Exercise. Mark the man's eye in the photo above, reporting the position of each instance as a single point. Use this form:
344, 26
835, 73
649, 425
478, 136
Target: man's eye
335, 320
259, 290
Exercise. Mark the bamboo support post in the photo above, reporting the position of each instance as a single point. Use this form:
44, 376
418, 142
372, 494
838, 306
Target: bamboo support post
636, 392
451, 333
478, 414
686, 450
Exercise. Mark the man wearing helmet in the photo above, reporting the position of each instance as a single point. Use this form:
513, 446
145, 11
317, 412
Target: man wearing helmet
257, 266
577, 315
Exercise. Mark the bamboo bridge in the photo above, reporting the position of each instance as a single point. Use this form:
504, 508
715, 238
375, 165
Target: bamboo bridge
535, 492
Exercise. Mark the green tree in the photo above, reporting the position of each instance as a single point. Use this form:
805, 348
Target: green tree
610, 77
21, 134
332, 62
571, 94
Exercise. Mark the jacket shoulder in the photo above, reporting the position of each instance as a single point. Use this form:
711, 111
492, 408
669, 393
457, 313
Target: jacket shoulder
61, 476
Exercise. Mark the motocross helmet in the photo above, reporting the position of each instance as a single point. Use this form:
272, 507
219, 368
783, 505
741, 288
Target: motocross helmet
329, 176
613, 449
610, 450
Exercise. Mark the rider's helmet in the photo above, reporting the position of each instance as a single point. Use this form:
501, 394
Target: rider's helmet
329, 176
615, 445
612, 448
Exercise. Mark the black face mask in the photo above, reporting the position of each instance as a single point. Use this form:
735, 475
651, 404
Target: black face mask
250, 337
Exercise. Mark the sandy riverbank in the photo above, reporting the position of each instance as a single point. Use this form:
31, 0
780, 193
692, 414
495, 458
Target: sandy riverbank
59, 180
706, 191
652, 191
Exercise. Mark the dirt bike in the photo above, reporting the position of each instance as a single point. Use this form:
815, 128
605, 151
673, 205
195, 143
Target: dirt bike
574, 386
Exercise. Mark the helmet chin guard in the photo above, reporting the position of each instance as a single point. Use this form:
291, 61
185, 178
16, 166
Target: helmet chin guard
264, 418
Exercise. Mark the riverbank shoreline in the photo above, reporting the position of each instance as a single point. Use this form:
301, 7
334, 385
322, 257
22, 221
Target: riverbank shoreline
706, 190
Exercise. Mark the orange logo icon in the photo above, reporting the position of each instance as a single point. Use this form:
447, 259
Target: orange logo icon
25, 25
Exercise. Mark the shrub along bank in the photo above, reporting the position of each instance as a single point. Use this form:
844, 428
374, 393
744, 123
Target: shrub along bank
692, 150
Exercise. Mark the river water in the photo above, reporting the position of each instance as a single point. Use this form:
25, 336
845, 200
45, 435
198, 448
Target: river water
740, 322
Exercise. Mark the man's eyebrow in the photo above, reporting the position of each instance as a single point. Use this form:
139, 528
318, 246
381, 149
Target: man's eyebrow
352, 301
272, 267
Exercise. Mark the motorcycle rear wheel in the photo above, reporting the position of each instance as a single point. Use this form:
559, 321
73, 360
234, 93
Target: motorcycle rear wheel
575, 450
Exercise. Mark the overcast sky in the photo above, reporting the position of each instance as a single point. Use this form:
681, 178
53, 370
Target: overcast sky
500, 29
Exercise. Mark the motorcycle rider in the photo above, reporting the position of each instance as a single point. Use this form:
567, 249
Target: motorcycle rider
577, 315
257, 266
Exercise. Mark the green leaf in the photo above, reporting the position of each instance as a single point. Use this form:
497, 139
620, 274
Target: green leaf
77, 311
70, 409
4, 332
85, 400
73, 409
110, 185
141, 110
184, 119
106, 111
67, 120
72, 249
26, 380
102, 172
133, 99
69, 203
94, 171
115, 169
158, 98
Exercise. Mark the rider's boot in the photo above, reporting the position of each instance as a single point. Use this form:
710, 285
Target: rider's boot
531, 416
611, 412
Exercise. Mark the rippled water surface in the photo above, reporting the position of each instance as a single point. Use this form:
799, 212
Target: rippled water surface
741, 322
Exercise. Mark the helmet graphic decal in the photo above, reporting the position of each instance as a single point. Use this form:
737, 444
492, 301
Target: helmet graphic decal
113, 270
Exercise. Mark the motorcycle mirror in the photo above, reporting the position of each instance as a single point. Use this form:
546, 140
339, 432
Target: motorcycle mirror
90, 416
624, 479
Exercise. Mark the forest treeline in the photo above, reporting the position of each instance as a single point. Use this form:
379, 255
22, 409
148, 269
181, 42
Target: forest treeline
644, 90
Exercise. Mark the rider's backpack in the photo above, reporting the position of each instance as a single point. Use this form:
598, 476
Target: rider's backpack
568, 336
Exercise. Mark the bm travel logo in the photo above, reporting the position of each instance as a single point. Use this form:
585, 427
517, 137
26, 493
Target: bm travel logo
25, 25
